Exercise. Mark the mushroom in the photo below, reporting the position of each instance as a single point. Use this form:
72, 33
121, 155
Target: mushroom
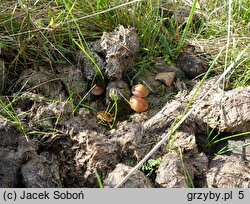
138, 104
97, 90
104, 117
140, 90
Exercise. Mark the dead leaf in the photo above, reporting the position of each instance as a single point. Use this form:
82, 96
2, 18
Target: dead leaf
166, 77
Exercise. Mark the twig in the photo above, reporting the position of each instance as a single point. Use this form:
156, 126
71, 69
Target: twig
228, 38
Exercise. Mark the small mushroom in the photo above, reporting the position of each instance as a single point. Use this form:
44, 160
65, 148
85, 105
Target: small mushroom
140, 90
138, 104
97, 90
104, 117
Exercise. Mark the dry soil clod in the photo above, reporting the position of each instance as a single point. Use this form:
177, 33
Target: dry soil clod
42, 81
117, 92
120, 47
191, 64
73, 80
228, 172
137, 180
227, 111
114, 54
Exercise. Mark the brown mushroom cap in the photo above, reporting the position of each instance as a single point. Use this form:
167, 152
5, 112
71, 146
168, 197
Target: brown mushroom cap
138, 104
105, 116
98, 90
140, 90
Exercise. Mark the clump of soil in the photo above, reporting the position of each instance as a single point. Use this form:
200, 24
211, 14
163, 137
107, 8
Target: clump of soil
228, 172
228, 111
61, 142
176, 172
42, 81
137, 180
114, 54
11, 157
20, 165
191, 64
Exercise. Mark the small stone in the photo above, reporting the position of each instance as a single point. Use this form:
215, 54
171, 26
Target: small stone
166, 77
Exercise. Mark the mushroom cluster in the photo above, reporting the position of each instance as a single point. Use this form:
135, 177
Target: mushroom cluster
138, 102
